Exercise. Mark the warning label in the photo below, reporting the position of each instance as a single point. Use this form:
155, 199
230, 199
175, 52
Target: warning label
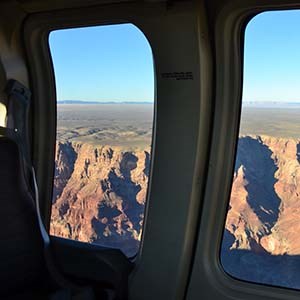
178, 75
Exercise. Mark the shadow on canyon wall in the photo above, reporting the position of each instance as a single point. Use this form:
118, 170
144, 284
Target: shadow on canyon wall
259, 170
260, 267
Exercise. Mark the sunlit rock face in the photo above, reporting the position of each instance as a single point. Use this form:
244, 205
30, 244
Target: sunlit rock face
100, 192
99, 195
264, 204
261, 242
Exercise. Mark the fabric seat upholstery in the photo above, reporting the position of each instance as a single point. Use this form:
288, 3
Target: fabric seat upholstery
22, 265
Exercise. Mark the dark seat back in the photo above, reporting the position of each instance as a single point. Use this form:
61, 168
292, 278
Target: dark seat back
22, 265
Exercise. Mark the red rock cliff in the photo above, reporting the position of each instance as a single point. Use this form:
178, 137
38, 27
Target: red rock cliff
99, 195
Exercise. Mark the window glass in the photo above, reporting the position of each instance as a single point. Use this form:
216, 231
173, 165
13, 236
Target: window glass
261, 241
105, 103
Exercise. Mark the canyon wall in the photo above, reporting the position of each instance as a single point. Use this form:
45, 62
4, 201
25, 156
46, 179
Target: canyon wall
261, 242
100, 192
99, 195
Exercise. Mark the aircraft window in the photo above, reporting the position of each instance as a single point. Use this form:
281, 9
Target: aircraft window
105, 105
261, 240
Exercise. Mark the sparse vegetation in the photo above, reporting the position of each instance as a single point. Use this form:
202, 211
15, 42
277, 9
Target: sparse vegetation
127, 126
281, 122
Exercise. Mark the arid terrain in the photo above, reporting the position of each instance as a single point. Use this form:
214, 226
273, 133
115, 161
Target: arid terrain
123, 125
274, 120
261, 241
101, 173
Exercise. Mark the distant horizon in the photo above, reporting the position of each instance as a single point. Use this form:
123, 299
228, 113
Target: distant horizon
270, 102
254, 102
102, 102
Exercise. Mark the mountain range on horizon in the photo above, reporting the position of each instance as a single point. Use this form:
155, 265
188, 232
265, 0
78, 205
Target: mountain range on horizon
245, 103
101, 102
271, 103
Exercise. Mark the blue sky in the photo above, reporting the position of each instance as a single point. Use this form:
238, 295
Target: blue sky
114, 63
272, 57
102, 63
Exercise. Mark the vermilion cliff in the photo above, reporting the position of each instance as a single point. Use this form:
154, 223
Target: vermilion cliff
261, 240
99, 194
265, 201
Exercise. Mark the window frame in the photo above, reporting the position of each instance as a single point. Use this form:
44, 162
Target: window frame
153, 126
186, 102
229, 24
37, 41
36, 30
220, 75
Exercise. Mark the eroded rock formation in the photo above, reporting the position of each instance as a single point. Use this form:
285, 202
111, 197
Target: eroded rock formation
99, 195
265, 199
261, 242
